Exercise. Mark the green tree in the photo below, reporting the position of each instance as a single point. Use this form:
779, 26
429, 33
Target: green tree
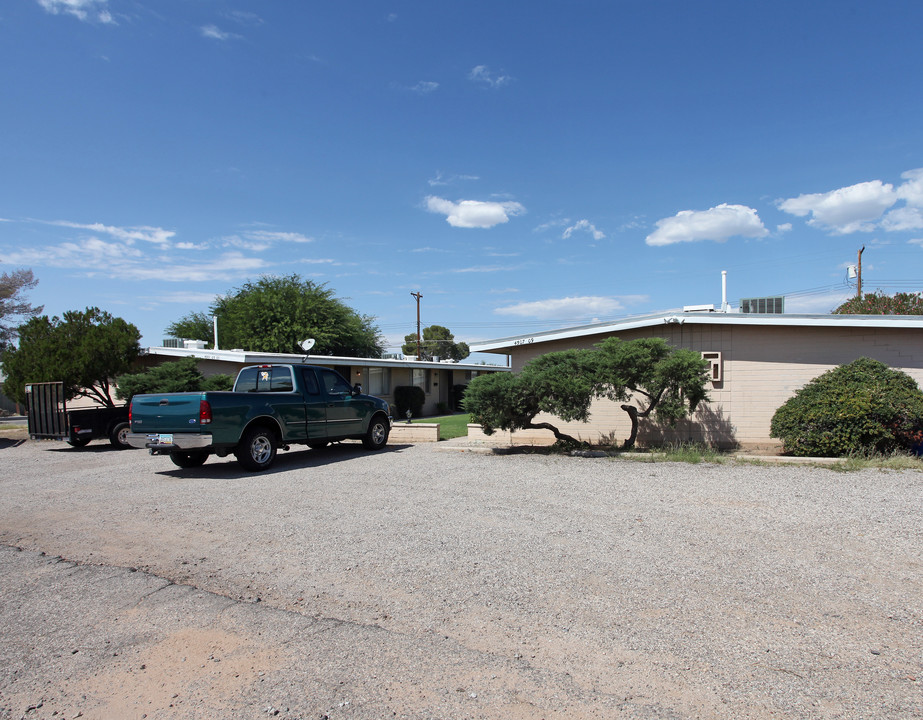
84, 349
175, 376
436, 341
559, 383
859, 408
275, 314
14, 308
194, 326
648, 375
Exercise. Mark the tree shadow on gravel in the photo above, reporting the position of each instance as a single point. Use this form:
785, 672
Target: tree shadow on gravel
227, 468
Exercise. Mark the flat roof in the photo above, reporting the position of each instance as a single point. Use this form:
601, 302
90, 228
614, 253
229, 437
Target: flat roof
670, 317
260, 358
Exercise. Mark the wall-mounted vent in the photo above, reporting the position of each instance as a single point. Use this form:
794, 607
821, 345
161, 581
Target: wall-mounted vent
764, 305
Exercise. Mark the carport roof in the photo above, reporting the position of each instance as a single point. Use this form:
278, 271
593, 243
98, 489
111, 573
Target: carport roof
505, 345
258, 358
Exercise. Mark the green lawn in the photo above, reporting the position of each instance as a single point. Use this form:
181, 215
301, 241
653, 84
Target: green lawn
450, 426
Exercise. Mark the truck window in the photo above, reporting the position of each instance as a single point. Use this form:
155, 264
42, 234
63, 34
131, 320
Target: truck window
310, 382
334, 383
265, 379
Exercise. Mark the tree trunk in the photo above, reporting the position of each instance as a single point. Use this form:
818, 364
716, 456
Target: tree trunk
633, 414
557, 433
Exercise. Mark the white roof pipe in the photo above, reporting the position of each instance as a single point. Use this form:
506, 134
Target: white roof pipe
724, 291
215, 325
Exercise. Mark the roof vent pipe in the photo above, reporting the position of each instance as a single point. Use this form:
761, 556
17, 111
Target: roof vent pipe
215, 325
724, 291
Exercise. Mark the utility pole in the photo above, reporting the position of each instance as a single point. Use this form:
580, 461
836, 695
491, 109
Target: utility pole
419, 295
859, 284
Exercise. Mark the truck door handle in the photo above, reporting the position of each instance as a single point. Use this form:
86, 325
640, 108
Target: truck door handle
164, 402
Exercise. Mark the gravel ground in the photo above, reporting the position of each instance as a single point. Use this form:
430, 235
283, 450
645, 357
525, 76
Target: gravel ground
419, 583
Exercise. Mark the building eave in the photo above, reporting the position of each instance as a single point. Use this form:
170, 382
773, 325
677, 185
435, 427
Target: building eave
257, 358
509, 344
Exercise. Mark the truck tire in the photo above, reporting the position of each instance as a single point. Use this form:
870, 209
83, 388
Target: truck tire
78, 442
118, 435
377, 435
257, 449
191, 459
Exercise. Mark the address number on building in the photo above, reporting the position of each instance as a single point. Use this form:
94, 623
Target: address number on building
524, 341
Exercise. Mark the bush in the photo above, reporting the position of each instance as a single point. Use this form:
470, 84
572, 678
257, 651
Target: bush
174, 376
409, 397
856, 409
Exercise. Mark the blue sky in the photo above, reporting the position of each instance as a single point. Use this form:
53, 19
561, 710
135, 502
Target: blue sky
522, 165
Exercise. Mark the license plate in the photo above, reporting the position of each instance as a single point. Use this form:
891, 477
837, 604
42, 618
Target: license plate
165, 439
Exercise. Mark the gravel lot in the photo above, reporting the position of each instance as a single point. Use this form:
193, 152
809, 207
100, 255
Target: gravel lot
420, 583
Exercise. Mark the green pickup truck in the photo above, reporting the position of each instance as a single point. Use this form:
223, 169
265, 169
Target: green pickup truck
271, 406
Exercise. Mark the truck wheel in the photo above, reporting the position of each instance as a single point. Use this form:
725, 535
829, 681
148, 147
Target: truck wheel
257, 449
377, 434
78, 442
191, 459
118, 436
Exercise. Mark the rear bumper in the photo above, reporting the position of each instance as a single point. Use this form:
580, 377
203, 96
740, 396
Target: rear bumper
181, 441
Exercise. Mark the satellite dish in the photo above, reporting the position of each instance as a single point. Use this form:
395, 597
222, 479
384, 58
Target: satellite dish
308, 344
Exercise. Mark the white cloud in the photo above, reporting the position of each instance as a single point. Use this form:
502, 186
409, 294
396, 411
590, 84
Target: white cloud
903, 218
86, 10
130, 234
718, 223
440, 179
216, 33
482, 74
567, 308
784, 227
916, 241
912, 190
856, 208
270, 236
584, 225
474, 213
425, 86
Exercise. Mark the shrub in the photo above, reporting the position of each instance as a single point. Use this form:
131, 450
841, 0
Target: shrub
409, 397
856, 409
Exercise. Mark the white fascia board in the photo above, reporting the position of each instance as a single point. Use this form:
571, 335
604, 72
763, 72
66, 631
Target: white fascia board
694, 318
253, 358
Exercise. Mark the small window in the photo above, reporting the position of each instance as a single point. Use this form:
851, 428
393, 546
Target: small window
379, 381
270, 378
421, 378
334, 383
310, 382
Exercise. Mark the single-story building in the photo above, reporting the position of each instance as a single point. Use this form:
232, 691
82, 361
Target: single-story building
757, 362
377, 377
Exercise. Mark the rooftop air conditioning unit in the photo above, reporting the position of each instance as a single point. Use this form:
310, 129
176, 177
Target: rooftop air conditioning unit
173, 342
764, 305
699, 308
194, 344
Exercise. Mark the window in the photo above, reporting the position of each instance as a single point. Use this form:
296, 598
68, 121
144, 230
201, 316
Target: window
334, 383
268, 378
421, 378
379, 381
310, 382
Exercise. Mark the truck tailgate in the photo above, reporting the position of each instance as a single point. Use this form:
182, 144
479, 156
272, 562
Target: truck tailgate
173, 412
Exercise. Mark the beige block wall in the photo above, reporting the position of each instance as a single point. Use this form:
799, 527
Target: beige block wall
762, 367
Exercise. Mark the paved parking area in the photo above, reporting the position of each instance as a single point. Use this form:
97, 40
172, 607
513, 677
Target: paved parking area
424, 584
